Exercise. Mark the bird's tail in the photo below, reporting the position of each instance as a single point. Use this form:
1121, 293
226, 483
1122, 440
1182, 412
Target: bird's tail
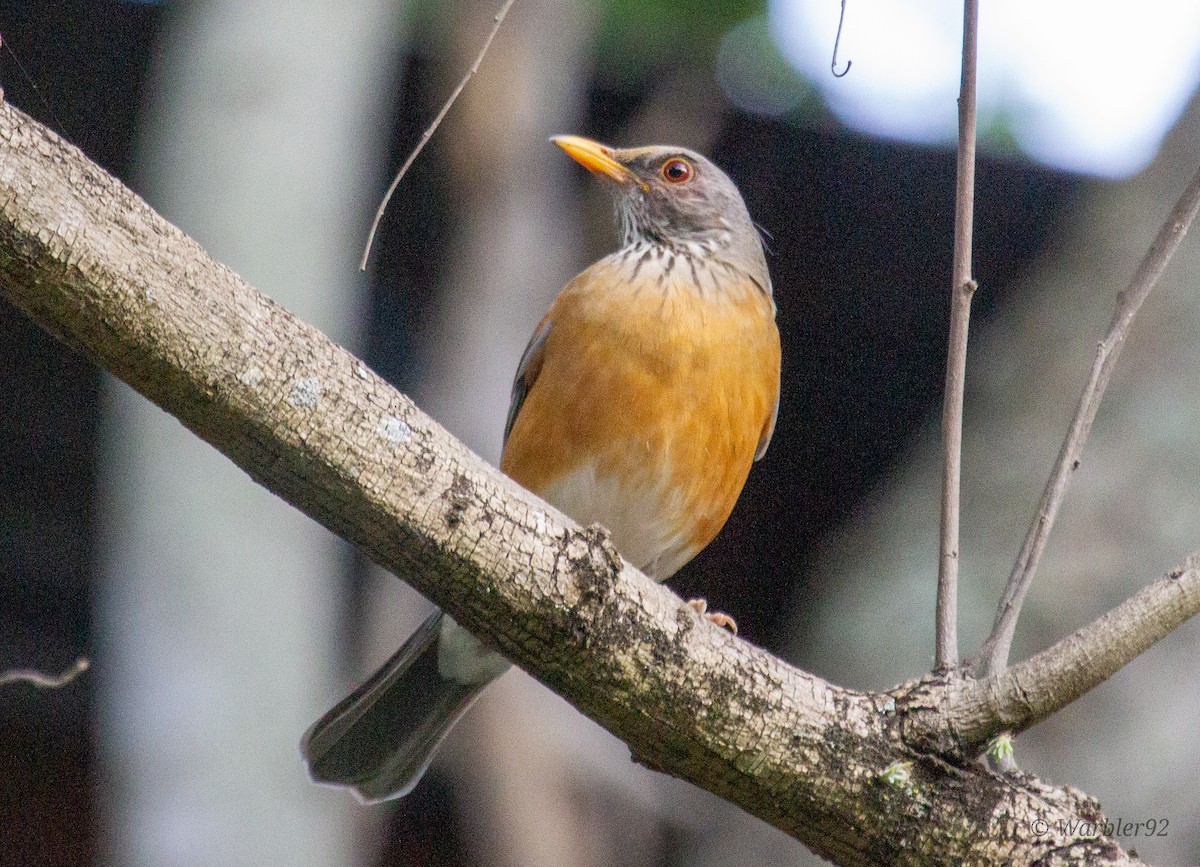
379, 740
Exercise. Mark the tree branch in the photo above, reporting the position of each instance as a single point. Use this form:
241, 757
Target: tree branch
962, 287
96, 267
965, 714
993, 655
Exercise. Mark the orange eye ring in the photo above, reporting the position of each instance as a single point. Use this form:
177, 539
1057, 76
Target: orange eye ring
677, 170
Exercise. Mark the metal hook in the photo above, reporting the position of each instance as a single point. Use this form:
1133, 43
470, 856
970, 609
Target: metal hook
836, 41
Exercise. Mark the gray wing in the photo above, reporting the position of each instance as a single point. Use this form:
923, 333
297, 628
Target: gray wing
527, 374
768, 431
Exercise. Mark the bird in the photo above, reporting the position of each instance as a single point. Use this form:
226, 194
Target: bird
643, 398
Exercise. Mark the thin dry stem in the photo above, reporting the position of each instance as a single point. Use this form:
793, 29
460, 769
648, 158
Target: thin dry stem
993, 655
497, 22
837, 40
962, 288
975, 711
42, 680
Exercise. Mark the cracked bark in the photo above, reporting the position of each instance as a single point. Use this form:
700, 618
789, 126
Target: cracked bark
859, 778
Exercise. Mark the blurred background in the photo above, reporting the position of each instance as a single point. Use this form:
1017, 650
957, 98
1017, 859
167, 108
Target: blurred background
220, 623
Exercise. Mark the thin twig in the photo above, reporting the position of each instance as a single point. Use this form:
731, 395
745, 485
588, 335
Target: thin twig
497, 22
42, 680
993, 655
961, 289
1032, 690
837, 40
60, 126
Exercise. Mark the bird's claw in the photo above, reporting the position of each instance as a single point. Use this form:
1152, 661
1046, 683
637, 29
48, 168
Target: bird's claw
720, 618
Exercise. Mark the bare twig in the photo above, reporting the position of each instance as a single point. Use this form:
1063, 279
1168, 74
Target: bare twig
961, 289
497, 22
1030, 691
993, 655
32, 82
837, 40
42, 680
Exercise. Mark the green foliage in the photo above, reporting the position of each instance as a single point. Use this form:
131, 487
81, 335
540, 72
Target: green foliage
636, 38
1000, 750
898, 774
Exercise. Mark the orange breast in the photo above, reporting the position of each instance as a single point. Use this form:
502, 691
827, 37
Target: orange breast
650, 402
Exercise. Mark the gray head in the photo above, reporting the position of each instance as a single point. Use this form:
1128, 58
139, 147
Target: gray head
674, 197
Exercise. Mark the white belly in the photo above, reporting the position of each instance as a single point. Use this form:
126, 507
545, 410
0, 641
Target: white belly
645, 520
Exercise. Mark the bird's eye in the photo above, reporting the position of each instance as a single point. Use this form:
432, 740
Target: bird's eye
677, 170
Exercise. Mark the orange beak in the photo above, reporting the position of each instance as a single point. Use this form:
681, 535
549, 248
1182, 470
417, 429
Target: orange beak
596, 158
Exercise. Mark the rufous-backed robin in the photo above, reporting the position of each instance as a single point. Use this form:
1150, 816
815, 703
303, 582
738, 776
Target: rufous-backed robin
645, 394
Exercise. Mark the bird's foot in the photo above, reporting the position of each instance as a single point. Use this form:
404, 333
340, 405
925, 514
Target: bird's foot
720, 618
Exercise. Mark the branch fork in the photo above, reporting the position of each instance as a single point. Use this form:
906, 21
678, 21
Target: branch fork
992, 658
